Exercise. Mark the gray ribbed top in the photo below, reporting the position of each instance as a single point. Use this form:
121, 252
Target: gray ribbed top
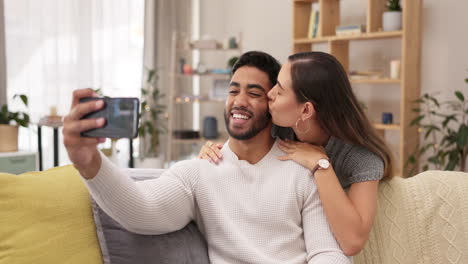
351, 163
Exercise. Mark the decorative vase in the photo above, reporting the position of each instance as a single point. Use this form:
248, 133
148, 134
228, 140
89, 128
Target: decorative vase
391, 21
210, 127
8, 138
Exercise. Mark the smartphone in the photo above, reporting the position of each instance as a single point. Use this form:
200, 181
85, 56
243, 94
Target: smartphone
121, 115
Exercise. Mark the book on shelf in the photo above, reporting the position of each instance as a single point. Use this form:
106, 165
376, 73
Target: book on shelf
364, 75
313, 30
347, 30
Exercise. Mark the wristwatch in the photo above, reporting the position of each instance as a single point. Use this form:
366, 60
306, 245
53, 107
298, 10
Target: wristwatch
322, 164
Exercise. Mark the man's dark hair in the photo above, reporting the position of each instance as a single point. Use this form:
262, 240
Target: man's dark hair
262, 61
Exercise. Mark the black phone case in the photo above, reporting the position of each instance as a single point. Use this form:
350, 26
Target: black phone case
106, 131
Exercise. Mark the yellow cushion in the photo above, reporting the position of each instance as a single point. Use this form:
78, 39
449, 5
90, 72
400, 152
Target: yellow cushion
46, 217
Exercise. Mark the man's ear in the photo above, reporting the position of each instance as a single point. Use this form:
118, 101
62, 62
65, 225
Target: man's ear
308, 111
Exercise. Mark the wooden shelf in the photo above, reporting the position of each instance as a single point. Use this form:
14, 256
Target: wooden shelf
381, 126
363, 36
409, 38
375, 81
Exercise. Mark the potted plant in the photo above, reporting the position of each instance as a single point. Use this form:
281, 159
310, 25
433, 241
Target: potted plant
152, 124
391, 19
9, 123
445, 128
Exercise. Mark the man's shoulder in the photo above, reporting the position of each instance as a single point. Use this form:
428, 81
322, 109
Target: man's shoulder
191, 164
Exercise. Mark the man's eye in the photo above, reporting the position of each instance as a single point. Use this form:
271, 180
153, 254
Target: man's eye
254, 94
233, 92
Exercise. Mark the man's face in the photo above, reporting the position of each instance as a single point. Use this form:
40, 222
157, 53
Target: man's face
246, 112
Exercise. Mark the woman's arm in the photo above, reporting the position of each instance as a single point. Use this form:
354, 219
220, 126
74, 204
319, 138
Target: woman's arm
350, 215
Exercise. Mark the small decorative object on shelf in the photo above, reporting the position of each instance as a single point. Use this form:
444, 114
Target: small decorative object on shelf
348, 30
201, 68
233, 43
395, 69
187, 69
220, 89
387, 118
391, 19
205, 44
359, 75
186, 134
210, 127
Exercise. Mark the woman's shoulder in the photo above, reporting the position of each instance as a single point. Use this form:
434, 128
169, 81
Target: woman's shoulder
356, 163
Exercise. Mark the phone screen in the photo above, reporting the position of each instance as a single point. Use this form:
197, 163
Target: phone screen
121, 116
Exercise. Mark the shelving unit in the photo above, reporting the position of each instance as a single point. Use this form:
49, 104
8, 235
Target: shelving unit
338, 46
186, 95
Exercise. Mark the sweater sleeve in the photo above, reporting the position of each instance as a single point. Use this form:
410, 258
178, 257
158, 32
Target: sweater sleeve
321, 245
155, 206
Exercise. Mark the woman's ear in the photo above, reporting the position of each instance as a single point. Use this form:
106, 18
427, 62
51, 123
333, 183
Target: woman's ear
308, 111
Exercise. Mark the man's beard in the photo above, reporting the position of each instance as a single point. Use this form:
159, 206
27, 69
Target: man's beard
258, 125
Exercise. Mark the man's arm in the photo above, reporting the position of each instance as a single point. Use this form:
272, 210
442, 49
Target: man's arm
322, 247
155, 206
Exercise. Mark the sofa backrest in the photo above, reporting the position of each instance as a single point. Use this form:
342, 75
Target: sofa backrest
423, 219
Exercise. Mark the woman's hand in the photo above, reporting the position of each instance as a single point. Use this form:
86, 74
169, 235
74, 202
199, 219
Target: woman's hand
303, 153
211, 152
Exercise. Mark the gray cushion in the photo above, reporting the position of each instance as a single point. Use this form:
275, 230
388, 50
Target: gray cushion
119, 246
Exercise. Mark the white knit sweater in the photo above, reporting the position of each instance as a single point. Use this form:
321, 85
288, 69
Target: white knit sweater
268, 212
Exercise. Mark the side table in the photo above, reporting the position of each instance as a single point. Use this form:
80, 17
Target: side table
55, 122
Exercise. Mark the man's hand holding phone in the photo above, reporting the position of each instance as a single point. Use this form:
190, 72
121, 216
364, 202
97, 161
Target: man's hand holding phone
83, 151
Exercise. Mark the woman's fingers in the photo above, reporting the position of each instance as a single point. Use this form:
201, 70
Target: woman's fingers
210, 152
286, 157
212, 155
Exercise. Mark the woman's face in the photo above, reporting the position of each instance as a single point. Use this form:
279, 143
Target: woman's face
284, 108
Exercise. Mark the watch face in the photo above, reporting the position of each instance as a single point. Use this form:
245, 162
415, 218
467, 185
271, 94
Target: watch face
323, 163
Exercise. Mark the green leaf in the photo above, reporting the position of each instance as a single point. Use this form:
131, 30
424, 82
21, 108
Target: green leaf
466, 80
416, 110
460, 96
448, 119
462, 136
434, 160
417, 120
428, 132
150, 76
434, 100
411, 159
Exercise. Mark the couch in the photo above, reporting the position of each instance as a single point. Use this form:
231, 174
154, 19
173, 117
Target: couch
46, 217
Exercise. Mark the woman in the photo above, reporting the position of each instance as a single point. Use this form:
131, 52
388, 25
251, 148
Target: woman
319, 118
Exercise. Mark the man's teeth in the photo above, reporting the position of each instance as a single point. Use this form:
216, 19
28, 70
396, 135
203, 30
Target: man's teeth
239, 116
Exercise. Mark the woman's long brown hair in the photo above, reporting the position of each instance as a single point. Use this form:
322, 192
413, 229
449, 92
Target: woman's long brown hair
319, 78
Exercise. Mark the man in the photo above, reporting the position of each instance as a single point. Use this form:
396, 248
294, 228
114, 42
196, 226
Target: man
246, 207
